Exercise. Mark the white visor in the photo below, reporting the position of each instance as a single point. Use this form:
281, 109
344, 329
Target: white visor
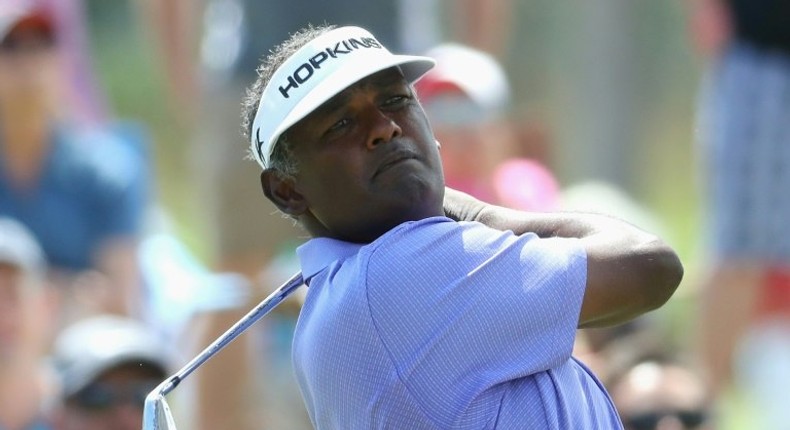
317, 72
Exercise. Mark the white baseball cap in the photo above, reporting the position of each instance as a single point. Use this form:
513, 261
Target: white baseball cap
319, 70
469, 73
92, 346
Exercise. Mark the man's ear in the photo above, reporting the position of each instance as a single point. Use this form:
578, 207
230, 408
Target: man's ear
281, 190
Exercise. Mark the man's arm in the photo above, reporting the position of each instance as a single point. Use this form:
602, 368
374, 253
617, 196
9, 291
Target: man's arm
629, 271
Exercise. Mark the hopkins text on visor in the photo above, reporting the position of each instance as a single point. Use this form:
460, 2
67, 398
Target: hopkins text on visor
306, 70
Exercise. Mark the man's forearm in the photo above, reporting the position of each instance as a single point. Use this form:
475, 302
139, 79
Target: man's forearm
460, 206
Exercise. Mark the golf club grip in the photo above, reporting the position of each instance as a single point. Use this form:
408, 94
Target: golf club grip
263, 308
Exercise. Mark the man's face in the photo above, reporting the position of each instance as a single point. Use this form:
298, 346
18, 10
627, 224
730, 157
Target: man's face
113, 402
367, 161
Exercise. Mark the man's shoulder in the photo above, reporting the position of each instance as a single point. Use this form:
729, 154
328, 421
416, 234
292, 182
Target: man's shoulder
421, 248
438, 226
414, 239
437, 234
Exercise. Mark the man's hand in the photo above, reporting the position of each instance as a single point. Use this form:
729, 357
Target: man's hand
460, 206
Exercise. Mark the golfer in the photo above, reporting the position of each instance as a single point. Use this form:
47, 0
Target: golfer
427, 308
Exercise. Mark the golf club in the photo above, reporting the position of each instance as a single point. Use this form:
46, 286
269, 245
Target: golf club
156, 412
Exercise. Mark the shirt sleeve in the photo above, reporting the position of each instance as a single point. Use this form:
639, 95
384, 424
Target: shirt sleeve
461, 307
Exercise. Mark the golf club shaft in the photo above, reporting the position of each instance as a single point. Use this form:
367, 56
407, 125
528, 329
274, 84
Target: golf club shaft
243, 324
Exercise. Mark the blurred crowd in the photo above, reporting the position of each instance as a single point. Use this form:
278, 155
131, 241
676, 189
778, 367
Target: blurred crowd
102, 295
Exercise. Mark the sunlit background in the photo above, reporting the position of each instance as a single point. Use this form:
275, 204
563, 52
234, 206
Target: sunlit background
605, 92
612, 84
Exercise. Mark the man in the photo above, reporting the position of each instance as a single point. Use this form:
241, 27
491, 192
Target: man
107, 365
25, 388
660, 393
427, 308
231, 36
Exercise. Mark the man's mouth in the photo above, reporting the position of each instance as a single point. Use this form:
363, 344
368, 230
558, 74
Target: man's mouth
394, 160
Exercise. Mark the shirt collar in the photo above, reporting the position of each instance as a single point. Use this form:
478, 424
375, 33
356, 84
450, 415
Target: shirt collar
316, 254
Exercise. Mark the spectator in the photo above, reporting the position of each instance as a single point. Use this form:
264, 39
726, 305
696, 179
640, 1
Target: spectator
80, 189
25, 387
107, 365
744, 142
653, 391
467, 97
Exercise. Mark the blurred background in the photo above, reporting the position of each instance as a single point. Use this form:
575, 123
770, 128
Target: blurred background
606, 90
609, 85
603, 94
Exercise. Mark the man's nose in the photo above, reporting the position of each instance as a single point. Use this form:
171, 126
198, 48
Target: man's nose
383, 128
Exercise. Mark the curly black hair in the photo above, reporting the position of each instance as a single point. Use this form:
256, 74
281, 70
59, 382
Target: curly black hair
281, 159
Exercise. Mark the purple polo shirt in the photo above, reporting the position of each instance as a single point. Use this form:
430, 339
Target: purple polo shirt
439, 324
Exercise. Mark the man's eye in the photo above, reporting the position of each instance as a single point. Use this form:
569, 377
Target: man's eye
338, 125
396, 100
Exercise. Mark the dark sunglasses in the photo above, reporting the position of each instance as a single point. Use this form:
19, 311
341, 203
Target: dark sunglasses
99, 397
690, 419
